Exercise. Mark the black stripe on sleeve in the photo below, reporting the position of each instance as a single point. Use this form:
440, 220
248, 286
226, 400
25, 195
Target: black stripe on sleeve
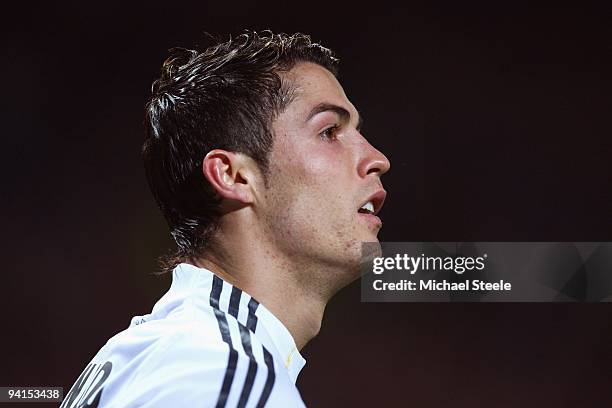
215, 292
215, 295
245, 336
265, 394
251, 323
234, 301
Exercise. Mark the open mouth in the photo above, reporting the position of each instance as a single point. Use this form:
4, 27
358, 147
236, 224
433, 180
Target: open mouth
374, 203
367, 208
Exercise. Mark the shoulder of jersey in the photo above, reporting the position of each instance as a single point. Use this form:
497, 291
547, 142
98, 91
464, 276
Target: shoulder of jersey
196, 357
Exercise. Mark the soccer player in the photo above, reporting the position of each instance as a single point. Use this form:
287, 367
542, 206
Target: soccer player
254, 154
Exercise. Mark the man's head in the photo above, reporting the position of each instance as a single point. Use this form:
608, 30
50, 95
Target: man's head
225, 97
261, 122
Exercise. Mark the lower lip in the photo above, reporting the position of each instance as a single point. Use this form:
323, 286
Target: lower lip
371, 219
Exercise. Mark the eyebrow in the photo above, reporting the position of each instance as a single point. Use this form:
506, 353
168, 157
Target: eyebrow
338, 110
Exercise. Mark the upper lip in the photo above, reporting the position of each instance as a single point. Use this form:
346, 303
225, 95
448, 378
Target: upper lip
377, 199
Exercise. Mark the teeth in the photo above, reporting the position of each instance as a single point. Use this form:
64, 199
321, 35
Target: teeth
368, 206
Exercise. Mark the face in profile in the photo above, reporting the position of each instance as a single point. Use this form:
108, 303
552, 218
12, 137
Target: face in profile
324, 177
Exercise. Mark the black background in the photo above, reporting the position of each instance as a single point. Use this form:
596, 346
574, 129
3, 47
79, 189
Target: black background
496, 121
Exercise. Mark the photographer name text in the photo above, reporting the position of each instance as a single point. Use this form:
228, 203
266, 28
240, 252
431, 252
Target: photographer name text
442, 285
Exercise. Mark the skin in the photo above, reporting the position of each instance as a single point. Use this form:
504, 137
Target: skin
294, 241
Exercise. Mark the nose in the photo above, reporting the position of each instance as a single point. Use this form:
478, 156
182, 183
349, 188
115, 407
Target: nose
373, 161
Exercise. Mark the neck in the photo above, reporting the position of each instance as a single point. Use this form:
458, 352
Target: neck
276, 282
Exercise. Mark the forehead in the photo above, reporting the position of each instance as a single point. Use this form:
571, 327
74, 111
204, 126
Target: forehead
313, 85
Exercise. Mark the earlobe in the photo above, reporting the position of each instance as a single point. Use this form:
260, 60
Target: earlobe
224, 171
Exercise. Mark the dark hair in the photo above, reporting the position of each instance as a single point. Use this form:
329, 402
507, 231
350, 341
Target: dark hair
224, 97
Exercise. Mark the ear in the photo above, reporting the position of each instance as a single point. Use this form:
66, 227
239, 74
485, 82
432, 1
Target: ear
230, 174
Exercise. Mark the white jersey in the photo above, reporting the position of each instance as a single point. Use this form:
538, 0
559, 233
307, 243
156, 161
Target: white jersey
205, 344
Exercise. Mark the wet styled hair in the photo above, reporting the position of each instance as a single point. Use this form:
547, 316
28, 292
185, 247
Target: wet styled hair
224, 97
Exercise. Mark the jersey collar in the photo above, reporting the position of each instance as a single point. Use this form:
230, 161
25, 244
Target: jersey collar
270, 330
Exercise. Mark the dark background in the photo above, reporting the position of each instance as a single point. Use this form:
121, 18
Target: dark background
496, 121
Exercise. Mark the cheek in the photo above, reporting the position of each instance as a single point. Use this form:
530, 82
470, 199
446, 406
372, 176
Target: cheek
320, 165
307, 201
312, 179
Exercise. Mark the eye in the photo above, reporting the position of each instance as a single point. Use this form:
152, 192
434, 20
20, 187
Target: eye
330, 134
